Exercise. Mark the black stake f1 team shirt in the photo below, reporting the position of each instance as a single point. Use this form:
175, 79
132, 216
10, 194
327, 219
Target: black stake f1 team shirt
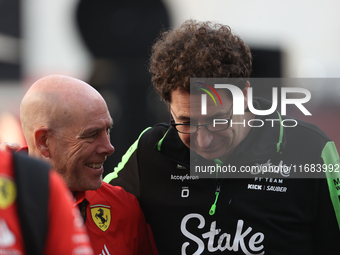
257, 215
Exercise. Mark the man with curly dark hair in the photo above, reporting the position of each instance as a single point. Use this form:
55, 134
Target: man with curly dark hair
197, 50
189, 214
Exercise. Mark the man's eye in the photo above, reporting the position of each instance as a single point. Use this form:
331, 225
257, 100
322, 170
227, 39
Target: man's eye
93, 135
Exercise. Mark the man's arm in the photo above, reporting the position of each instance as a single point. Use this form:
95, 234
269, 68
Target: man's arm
327, 234
331, 159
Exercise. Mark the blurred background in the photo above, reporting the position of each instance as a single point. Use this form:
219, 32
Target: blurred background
107, 43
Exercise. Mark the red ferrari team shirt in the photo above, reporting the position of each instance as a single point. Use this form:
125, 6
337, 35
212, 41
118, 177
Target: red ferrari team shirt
66, 232
115, 222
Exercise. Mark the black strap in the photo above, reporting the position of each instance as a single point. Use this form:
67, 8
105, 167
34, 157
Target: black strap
32, 180
82, 208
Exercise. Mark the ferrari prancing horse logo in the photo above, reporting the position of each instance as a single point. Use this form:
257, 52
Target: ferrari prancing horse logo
101, 215
8, 192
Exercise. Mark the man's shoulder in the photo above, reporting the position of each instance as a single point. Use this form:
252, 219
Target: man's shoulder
114, 195
309, 130
151, 136
291, 125
157, 131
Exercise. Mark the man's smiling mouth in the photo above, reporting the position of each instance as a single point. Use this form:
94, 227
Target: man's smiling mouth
95, 166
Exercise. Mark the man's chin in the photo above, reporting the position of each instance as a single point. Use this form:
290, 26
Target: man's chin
209, 155
97, 185
94, 185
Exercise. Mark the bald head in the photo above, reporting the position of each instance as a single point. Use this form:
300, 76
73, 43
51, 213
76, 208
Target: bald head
55, 102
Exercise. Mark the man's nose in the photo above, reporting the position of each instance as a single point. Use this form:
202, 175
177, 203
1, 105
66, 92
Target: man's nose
204, 137
106, 148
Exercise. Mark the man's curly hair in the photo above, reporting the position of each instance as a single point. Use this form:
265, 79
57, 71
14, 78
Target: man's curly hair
197, 50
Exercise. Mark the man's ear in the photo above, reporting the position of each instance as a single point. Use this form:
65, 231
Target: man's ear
41, 139
245, 94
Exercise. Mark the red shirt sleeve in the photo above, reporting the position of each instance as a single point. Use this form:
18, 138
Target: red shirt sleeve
66, 231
